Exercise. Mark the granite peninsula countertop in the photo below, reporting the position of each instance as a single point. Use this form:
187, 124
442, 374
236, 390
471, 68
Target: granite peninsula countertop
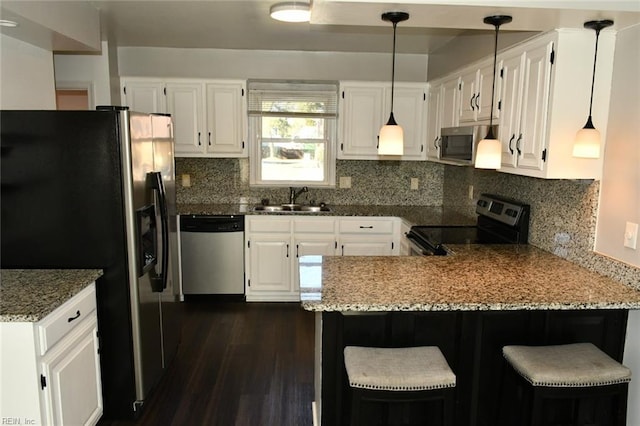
415, 215
28, 295
476, 277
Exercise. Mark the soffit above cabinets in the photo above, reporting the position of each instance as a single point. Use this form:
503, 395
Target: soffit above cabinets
335, 26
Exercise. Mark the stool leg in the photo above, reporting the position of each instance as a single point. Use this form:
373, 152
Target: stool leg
448, 407
536, 408
356, 397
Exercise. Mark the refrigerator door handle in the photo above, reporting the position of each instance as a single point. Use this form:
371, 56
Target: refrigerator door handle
159, 282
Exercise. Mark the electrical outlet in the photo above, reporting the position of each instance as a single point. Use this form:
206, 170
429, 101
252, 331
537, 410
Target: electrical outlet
345, 181
414, 183
471, 192
631, 235
186, 180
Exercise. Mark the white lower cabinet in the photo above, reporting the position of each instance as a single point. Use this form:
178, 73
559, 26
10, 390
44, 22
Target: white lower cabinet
369, 236
274, 244
51, 369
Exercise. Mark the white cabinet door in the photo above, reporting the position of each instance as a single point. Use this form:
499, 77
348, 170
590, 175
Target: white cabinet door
510, 102
483, 94
408, 110
226, 122
535, 102
361, 117
366, 246
270, 264
468, 93
144, 95
433, 122
185, 104
72, 370
450, 111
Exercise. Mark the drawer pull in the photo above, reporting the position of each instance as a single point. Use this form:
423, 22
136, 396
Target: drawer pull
366, 227
75, 317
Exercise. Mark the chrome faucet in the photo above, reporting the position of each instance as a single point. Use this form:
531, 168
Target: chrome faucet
293, 194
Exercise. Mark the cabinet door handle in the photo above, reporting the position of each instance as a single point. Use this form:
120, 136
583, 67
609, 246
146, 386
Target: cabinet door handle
297, 250
510, 141
366, 227
518, 144
342, 250
435, 142
199, 144
378, 142
477, 102
73, 318
471, 102
209, 138
287, 250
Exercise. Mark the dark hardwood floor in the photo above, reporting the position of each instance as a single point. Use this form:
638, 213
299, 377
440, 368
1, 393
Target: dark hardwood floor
237, 364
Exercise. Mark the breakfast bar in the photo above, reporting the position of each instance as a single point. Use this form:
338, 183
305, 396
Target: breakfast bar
469, 304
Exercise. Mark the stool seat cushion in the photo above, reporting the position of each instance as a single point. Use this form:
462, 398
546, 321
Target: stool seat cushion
573, 365
398, 369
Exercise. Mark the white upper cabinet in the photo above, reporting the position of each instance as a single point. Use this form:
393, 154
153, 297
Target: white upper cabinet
475, 93
365, 108
541, 100
209, 115
226, 119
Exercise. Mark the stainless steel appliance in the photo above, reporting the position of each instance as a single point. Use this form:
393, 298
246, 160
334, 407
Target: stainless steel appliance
212, 250
458, 144
500, 221
96, 189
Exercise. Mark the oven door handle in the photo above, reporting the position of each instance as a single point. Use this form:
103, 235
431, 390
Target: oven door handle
414, 245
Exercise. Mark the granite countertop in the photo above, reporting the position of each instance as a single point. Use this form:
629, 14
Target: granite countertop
476, 277
414, 215
28, 295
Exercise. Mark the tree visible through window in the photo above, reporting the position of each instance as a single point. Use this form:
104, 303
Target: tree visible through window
293, 129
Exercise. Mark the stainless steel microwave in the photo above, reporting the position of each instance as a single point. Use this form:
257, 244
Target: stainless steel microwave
458, 144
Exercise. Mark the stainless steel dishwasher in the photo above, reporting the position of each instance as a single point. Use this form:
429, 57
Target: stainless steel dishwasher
212, 254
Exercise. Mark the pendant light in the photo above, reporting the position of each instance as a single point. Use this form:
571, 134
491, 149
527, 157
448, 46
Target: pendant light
587, 142
391, 139
489, 151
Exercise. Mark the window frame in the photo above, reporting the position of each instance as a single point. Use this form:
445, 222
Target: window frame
255, 136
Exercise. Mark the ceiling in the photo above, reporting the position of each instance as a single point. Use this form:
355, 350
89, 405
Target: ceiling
337, 25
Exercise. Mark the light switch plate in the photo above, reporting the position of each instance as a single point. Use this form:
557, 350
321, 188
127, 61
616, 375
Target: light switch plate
414, 183
631, 235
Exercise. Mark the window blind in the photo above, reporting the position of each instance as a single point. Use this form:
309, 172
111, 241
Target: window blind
302, 99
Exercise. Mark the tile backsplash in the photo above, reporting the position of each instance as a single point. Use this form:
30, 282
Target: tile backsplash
372, 182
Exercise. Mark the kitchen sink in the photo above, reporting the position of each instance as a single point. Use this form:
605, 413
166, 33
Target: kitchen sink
292, 208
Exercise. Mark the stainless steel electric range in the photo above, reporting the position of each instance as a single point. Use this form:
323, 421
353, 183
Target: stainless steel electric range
500, 221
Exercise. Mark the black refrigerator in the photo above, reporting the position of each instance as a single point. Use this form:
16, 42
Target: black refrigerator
96, 189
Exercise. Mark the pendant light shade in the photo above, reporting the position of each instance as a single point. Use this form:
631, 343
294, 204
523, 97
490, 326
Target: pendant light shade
489, 151
292, 11
391, 138
587, 142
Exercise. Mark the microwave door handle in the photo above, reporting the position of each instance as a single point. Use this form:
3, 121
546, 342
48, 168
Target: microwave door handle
159, 282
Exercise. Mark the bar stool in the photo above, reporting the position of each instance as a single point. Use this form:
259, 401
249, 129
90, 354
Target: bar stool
399, 375
574, 372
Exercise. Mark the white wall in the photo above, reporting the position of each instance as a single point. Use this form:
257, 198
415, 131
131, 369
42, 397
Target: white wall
85, 71
242, 64
620, 187
26, 76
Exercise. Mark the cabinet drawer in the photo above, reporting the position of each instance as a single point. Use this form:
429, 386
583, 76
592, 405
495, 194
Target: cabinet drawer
366, 226
314, 225
269, 224
70, 314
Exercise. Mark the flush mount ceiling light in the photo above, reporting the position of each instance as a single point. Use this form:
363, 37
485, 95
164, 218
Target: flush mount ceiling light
587, 142
391, 139
489, 152
292, 11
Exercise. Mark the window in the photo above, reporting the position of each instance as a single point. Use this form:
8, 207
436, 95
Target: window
292, 127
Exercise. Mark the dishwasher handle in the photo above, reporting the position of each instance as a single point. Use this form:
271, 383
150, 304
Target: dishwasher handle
206, 223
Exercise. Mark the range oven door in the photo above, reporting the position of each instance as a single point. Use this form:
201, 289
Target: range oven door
416, 247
